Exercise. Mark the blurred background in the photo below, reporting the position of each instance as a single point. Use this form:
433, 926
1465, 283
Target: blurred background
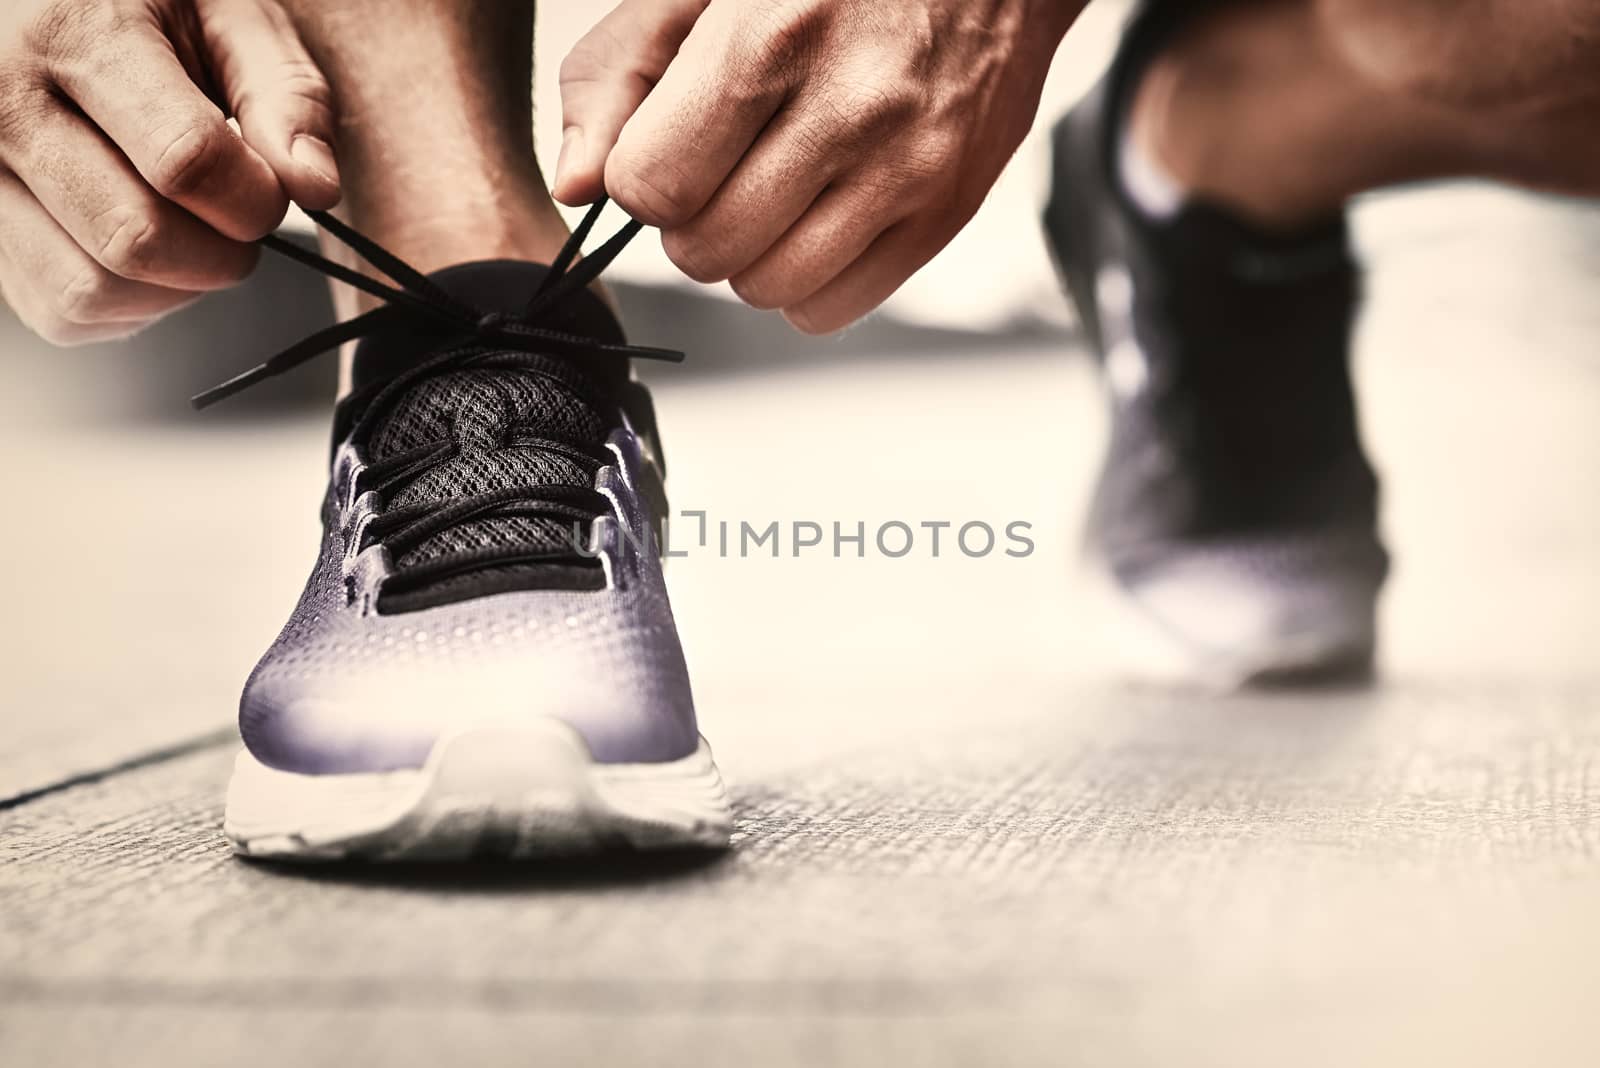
152, 553
1479, 367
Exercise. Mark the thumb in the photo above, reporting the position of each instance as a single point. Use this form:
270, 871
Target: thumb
605, 78
280, 98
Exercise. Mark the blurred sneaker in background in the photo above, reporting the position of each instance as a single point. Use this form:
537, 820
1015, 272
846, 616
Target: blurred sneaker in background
1236, 513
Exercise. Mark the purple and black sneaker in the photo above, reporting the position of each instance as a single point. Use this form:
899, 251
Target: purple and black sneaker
1236, 515
484, 661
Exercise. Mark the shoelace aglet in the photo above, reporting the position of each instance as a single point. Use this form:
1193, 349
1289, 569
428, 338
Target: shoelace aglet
647, 352
295, 355
237, 384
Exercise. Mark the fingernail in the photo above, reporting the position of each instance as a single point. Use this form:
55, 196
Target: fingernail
571, 153
314, 154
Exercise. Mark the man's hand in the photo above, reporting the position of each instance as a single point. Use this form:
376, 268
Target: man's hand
815, 152
124, 193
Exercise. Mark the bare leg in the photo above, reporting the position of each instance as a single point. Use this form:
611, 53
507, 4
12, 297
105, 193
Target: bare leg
1283, 109
435, 139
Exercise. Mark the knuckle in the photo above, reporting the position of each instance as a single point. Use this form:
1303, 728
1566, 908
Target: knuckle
917, 181
302, 82
75, 42
237, 270
692, 254
23, 106
857, 117
595, 57
879, 108
191, 157
759, 292
746, 88
83, 299
580, 65
784, 39
912, 192
131, 244
308, 106
938, 150
809, 320
647, 193
297, 92
58, 30
245, 266
925, 166
54, 329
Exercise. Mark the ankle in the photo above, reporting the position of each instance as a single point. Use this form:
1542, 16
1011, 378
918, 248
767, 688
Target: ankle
1239, 110
1252, 107
461, 209
436, 151
466, 229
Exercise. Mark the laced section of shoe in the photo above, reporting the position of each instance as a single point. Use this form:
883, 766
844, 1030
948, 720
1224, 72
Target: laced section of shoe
481, 339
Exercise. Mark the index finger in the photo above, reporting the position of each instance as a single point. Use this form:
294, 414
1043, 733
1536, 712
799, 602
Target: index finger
727, 82
134, 88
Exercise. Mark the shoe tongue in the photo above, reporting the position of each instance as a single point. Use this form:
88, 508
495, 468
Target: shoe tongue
482, 409
503, 286
484, 412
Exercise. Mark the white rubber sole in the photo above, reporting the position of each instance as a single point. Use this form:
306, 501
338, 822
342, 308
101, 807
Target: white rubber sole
1143, 653
523, 791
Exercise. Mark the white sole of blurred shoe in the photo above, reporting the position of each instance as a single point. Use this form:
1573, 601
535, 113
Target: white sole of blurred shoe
1135, 644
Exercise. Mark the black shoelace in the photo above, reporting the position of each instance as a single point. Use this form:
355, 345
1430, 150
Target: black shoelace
418, 300
482, 337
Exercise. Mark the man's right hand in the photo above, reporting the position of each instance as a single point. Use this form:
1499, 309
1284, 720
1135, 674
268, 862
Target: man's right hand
124, 192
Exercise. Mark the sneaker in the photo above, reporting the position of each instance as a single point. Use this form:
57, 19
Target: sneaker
484, 661
1236, 513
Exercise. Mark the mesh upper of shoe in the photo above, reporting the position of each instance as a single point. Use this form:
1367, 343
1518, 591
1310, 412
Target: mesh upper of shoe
340, 690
